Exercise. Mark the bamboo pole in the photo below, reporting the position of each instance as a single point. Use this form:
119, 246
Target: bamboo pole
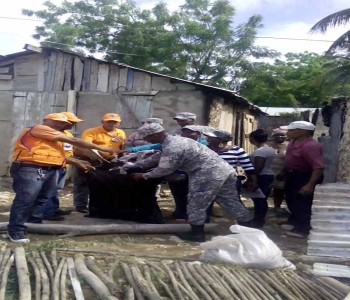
95, 283
63, 279
58, 229
5, 274
56, 280
45, 281
37, 278
131, 281
25, 292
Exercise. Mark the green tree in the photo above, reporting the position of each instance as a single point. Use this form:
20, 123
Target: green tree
336, 19
196, 42
296, 81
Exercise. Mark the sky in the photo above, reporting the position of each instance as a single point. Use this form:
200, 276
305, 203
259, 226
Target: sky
281, 19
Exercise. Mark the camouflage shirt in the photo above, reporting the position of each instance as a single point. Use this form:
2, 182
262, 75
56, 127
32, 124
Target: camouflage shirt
191, 157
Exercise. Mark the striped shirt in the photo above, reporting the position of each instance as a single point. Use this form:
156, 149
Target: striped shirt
237, 155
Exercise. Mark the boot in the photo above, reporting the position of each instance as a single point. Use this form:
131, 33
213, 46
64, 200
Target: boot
195, 235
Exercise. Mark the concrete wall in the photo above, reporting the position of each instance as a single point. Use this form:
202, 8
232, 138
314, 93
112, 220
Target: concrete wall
167, 104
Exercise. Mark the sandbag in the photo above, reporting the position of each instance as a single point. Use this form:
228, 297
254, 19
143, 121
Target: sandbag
247, 247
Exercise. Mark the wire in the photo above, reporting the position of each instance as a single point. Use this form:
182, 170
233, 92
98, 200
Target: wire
293, 39
23, 19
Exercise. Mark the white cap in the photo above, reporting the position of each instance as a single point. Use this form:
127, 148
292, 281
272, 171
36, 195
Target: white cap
299, 125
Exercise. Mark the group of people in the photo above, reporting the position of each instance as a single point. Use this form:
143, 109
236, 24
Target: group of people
199, 163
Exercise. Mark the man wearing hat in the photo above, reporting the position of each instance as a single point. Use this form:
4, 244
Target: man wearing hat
108, 135
37, 156
134, 139
304, 167
210, 178
183, 119
52, 212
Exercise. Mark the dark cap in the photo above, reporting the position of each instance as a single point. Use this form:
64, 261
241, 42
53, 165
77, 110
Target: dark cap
220, 134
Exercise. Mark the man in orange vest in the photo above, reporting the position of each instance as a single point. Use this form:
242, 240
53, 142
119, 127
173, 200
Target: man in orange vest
37, 156
52, 212
109, 135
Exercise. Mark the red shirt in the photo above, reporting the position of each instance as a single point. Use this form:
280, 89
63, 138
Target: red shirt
304, 156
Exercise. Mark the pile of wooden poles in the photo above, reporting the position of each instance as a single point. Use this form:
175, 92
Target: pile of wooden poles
68, 276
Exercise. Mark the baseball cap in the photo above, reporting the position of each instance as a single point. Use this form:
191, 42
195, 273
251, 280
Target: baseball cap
71, 117
220, 134
193, 128
185, 116
299, 125
149, 129
57, 117
111, 117
153, 120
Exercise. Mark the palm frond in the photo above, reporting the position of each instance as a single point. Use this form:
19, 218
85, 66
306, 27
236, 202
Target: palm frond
342, 43
339, 18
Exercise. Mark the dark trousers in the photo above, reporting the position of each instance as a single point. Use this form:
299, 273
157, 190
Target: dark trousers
260, 204
179, 190
299, 205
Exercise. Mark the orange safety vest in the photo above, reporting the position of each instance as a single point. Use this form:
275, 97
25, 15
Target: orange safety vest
29, 148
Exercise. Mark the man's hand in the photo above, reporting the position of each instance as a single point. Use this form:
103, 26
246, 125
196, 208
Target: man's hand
82, 164
137, 176
252, 183
307, 189
109, 150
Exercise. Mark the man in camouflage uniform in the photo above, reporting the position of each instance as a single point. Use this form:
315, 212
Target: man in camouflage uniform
210, 177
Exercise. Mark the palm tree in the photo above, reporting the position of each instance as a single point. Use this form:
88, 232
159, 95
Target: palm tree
339, 18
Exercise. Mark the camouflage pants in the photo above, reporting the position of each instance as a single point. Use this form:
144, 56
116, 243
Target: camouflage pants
224, 192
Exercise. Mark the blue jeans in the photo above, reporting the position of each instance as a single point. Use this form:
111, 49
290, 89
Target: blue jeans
33, 187
52, 205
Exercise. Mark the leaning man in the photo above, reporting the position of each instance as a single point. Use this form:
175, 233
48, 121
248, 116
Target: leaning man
210, 177
38, 155
304, 167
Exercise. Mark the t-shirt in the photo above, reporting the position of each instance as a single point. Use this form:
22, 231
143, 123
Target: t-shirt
101, 137
237, 155
304, 156
268, 153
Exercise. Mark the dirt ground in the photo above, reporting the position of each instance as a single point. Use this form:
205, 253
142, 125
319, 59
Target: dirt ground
167, 246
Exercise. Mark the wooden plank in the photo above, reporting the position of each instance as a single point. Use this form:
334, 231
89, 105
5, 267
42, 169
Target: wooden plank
147, 80
161, 84
86, 75
142, 82
4, 70
78, 293
25, 83
130, 80
26, 68
122, 79
32, 48
68, 72
5, 77
60, 103
59, 73
51, 69
6, 85
78, 73
102, 78
113, 78
93, 76
47, 103
7, 62
33, 109
42, 72
72, 101
138, 81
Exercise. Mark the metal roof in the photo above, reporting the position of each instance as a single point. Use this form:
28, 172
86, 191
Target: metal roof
29, 49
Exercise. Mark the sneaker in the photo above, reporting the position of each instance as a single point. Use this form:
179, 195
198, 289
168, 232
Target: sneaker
82, 209
63, 212
17, 237
54, 218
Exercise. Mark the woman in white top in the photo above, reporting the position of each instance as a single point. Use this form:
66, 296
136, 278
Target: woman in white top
261, 159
